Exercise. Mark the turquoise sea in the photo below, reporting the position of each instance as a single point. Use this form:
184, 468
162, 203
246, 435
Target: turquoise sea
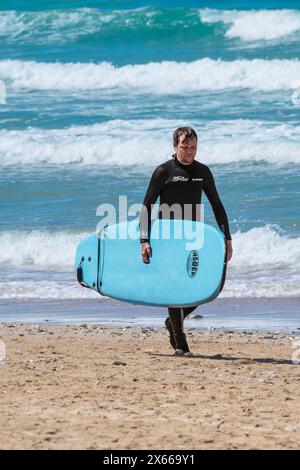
90, 93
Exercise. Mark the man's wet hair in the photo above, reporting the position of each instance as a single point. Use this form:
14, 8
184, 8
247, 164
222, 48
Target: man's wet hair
187, 132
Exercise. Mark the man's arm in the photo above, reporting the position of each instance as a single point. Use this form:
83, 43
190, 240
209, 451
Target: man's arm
155, 186
212, 195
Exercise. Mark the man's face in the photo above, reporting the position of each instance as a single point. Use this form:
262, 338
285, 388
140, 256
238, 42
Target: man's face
186, 151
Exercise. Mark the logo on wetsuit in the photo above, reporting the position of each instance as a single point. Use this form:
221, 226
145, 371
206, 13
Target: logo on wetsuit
179, 178
192, 263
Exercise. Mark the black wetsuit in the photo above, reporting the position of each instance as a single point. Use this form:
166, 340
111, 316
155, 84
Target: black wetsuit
180, 184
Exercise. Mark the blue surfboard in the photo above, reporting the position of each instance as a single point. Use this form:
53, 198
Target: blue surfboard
187, 267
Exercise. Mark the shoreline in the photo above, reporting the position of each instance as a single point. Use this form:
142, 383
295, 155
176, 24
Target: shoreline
238, 314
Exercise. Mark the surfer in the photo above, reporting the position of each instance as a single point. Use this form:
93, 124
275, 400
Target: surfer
180, 182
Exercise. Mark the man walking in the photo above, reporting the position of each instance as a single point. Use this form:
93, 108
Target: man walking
181, 181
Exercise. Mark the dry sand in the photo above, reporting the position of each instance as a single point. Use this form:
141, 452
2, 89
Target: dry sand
60, 390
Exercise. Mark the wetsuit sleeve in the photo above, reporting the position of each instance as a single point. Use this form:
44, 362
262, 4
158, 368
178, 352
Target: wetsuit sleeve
155, 186
212, 195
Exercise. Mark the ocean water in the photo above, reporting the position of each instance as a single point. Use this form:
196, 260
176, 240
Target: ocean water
90, 93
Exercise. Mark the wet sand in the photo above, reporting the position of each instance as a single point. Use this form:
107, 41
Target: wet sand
265, 314
60, 389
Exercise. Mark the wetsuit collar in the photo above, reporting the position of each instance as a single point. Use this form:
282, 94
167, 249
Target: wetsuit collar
177, 162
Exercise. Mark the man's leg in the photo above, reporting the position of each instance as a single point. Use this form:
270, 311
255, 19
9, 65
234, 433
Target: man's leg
174, 325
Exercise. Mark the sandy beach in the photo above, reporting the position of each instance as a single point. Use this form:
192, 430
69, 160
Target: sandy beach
60, 389
189, 110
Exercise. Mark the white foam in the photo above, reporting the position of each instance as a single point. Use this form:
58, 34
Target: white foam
234, 288
265, 264
259, 247
2, 92
253, 25
140, 142
187, 77
50, 290
260, 288
39, 248
264, 247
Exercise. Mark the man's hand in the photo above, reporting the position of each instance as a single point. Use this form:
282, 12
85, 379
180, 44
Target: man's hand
229, 249
146, 252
